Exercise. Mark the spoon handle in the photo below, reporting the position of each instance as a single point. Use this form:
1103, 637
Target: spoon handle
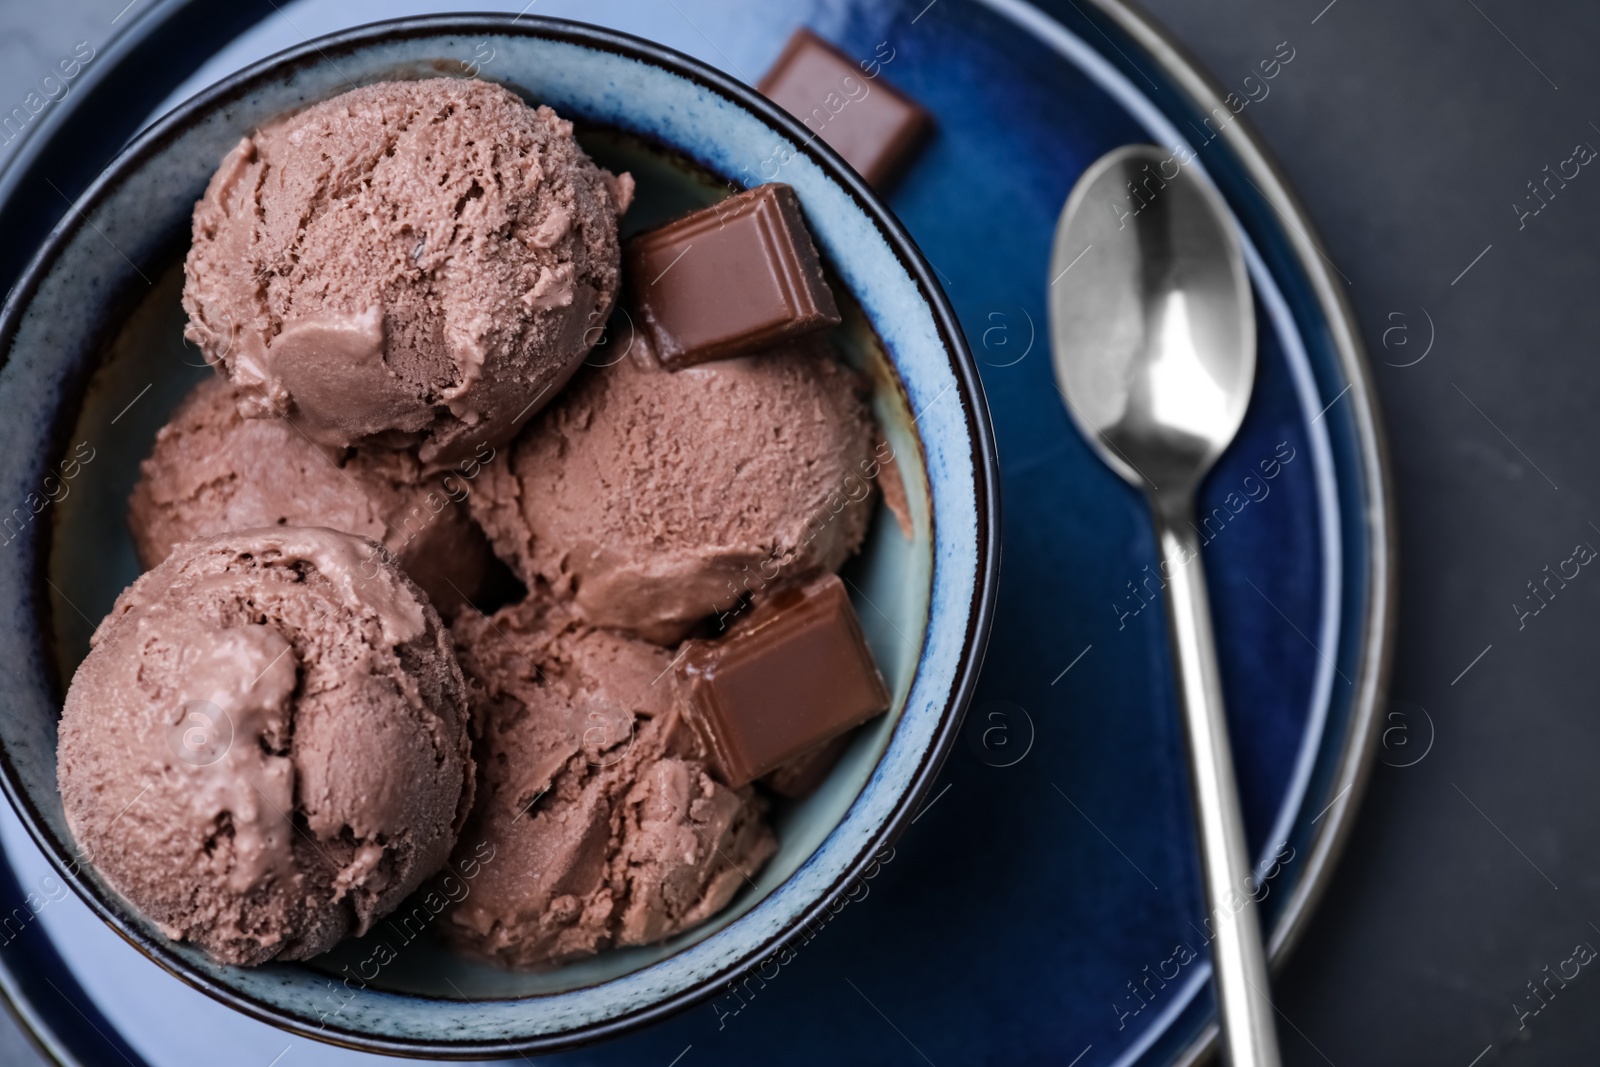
1236, 952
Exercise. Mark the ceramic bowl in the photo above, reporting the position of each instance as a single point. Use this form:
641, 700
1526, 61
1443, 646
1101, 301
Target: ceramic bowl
94, 362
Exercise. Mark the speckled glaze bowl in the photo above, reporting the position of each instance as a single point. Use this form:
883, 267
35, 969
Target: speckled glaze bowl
94, 361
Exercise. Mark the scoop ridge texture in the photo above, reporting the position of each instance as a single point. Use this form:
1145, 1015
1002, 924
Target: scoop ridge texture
605, 826
659, 498
421, 262
266, 750
212, 471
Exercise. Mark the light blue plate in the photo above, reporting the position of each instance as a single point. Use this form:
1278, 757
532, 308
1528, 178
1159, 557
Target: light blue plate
1028, 914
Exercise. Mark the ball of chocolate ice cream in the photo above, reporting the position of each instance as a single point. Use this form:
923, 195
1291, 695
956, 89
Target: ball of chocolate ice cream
409, 262
600, 822
657, 498
212, 471
265, 750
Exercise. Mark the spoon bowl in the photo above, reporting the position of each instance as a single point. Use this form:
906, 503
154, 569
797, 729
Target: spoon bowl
1151, 324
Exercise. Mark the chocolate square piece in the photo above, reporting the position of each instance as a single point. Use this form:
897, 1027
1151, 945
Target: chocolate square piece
800, 777
740, 275
874, 128
794, 674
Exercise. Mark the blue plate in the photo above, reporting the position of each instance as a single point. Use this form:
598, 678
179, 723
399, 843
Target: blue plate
1045, 905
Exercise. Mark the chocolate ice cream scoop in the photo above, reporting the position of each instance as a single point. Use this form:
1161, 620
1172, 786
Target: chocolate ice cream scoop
604, 825
212, 471
266, 750
659, 498
414, 262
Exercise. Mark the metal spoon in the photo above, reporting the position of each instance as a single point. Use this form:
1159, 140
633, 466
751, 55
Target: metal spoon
1153, 339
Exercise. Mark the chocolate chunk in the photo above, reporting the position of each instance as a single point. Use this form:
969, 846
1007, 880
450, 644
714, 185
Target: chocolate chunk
874, 128
800, 777
740, 275
794, 674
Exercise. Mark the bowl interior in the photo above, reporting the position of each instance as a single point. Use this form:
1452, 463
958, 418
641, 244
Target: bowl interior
95, 362
92, 560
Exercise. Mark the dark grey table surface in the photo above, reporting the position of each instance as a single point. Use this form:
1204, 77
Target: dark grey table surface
1412, 131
